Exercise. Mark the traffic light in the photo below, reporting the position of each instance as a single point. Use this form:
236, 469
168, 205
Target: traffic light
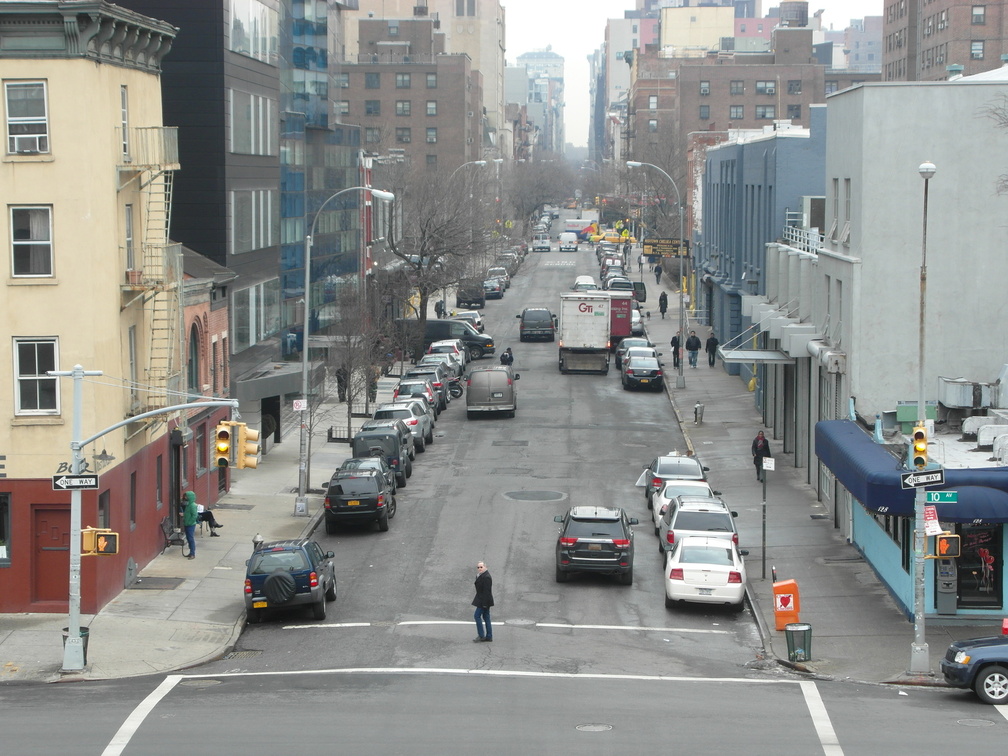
248, 449
99, 541
222, 445
919, 448
946, 546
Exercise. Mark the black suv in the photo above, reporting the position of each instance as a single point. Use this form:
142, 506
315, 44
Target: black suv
536, 323
284, 574
595, 539
356, 495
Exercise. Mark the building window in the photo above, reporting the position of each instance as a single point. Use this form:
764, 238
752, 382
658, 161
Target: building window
652, 102
124, 118
736, 87
432, 107
979, 16
104, 516
192, 369
794, 112
432, 161
652, 125
736, 112
159, 480
794, 86
465, 7
134, 369
202, 453
432, 81
403, 135
431, 135
255, 125
977, 49
705, 112
36, 392
31, 241
766, 87
372, 107
254, 220
5, 528
372, 135
213, 366
132, 499
832, 86
766, 112
403, 80
254, 30
343, 80
372, 81
393, 29
402, 107
342, 107
741, 28
942, 19
128, 240
27, 117
704, 88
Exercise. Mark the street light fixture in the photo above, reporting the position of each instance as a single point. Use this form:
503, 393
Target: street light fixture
680, 378
920, 662
301, 502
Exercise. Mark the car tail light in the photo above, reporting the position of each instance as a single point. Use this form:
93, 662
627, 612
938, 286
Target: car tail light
568, 541
328, 505
629, 371
622, 543
411, 421
248, 586
734, 538
468, 382
656, 482
381, 500
437, 384
734, 577
395, 394
670, 537
313, 580
675, 573
657, 373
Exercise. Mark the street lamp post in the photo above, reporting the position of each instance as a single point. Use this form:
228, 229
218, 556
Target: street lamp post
920, 662
680, 378
478, 163
301, 502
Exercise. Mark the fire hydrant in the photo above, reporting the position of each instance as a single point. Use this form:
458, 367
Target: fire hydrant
698, 413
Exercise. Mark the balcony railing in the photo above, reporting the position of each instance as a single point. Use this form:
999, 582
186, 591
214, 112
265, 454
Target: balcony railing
149, 147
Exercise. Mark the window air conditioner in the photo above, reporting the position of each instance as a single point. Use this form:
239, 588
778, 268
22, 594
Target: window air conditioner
30, 144
704, 90
470, 114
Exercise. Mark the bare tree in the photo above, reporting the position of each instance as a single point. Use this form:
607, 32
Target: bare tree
997, 111
529, 186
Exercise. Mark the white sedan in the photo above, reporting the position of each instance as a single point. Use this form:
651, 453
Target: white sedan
705, 571
673, 488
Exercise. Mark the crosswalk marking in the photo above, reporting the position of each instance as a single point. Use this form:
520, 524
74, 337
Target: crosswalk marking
548, 625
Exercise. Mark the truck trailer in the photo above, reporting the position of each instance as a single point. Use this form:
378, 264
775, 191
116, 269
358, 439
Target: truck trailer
584, 332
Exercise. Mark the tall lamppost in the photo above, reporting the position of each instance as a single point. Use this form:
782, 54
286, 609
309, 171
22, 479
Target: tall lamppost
301, 502
478, 163
680, 378
920, 662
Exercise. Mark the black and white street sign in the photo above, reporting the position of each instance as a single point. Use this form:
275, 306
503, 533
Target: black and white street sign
74, 482
922, 479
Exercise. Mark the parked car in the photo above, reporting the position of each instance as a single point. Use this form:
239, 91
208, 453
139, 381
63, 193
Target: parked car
438, 378
499, 271
618, 284
384, 442
470, 293
642, 371
358, 495
695, 515
400, 427
492, 390
626, 344
285, 574
454, 347
536, 323
493, 288
584, 283
980, 664
671, 466
478, 344
450, 362
474, 318
510, 261
418, 387
674, 488
371, 463
705, 571
420, 424
595, 539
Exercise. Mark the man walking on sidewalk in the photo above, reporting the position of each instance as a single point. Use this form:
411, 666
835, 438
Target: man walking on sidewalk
693, 346
657, 273
711, 348
662, 304
675, 350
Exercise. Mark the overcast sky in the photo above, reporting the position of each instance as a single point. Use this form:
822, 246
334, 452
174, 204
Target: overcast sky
575, 28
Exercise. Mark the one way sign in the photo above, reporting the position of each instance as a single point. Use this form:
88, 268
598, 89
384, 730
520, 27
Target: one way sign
922, 479
74, 482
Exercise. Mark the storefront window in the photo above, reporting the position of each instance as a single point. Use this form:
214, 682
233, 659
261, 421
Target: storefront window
980, 566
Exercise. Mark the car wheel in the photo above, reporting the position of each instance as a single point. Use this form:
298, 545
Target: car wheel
331, 592
383, 523
650, 504
627, 577
401, 480
476, 352
409, 469
511, 413
392, 508
279, 587
421, 445
625, 386
992, 685
429, 438
669, 603
661, 549
319, 608
656, 531
411, 454
561, 576
619, 364
330, 527
254, 616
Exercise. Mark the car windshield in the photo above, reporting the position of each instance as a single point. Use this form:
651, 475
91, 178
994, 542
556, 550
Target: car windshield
538, 316
705, 555
674, 489
265, 562
678, 466
594, 529
354, 486
361, 464
711, 521
392, 414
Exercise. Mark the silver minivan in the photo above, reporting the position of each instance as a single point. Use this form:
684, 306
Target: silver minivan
492, 390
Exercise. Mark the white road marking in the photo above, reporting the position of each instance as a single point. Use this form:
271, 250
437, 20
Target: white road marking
1002, 709
128, 728
820, 719
330, 624
631, 627
550, 625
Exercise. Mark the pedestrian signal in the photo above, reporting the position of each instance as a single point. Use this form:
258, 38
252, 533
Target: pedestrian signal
222, 445
99, 541
946, 546
919, 448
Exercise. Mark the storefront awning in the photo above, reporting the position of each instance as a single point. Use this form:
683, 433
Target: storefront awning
754, 355
872, 475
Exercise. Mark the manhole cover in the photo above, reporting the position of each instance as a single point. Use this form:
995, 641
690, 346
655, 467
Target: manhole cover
242, 655
593, 727
156, 583
536, 495
975, 722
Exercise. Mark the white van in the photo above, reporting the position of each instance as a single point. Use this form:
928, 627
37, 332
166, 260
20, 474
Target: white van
584, 283
568, 242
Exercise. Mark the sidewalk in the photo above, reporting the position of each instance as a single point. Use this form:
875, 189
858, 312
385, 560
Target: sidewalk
857, 631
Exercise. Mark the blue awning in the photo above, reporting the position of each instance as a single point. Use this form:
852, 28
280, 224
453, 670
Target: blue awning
872, 475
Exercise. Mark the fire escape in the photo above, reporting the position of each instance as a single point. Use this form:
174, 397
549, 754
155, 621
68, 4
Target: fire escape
154, 276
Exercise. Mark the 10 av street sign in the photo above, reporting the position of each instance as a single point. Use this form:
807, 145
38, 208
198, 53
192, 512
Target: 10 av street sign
74, 482
921, 479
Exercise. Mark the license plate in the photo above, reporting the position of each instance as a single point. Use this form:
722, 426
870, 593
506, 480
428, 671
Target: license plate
259, 604
705, 591
497, 395
594, 547
353, 503
644, 380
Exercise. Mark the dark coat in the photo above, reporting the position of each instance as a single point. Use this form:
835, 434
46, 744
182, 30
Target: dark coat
484, 592
663, 302
760, 450
712, 344
693, 344
675, 342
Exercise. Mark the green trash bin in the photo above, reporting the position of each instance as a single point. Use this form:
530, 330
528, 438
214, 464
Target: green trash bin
799, 641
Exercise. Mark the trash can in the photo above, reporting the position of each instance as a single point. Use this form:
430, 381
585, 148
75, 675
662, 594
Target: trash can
799, 641
84, 639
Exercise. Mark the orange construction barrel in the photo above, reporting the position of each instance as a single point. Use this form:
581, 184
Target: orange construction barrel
787, 603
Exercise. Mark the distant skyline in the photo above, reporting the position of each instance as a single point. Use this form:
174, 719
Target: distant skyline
575, 28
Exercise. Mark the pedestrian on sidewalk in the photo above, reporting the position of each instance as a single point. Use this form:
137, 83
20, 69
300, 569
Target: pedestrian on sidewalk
760, 450
676, 352
711, 348
640, 263
341, 382
693, 346
657, 273
662, 304
190, 516
439, 308
483, 601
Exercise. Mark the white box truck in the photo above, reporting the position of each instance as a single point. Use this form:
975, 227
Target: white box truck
584, 332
